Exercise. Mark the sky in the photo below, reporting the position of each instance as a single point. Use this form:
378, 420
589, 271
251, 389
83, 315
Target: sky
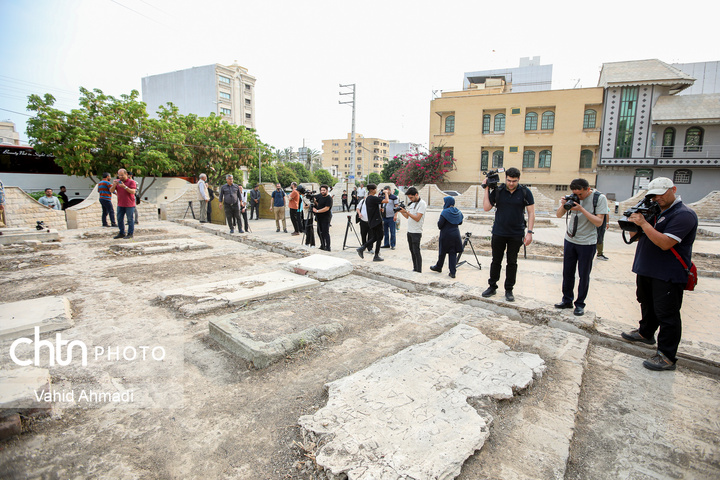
396, 52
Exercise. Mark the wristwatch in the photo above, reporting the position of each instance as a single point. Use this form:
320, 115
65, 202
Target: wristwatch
530, 231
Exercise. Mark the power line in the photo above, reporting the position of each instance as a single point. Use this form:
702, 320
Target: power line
141, 14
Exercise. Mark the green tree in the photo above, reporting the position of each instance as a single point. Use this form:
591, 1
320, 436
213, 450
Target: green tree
303, 174
269, 175
390, 168
324, 177
375, 178
286, 175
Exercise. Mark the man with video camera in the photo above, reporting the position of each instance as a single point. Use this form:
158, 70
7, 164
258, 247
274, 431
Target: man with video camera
375, 222
580, 240
510, 201
323, 213
661, 276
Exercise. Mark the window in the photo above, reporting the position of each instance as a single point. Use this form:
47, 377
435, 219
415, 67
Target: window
225, 95
248, 116
226, 111
668, 142
484, 161
548, 121
486, 124
589, 119
626, 122
497, 159
682, 176
450, 124
248, 101
531, 121
586, 158
499, 122
247, 87
694, 139
224, 79
529, 159
545, 158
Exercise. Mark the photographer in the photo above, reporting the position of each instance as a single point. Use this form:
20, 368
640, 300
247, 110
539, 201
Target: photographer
510, 201
323, 213
580, 240
389, 219
294, 205
415, 214
661, 277
373, 203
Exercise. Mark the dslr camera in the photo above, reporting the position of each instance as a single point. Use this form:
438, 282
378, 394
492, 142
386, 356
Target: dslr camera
570, 201
493, 178
647, 207
400, 206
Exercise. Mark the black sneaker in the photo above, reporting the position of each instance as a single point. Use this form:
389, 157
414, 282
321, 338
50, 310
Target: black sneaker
435, 269
378, 258
360, 251
489, 292
602, 257
277, 230
509, 296
659, 362
232, 231
634, 336
119, 235
128, 237
385, 246
451, 275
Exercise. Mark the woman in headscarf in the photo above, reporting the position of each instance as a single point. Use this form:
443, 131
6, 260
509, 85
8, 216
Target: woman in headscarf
450, 240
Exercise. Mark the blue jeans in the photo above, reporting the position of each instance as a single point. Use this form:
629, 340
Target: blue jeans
107, 209
130, 212
582, 257
389, 226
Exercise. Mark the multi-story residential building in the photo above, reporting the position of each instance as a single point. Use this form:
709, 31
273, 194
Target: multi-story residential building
552, 136
650, 130
8, 134
228, 91
371, 155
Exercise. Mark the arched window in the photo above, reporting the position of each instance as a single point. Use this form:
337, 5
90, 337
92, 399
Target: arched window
450, 124
545, 158
682, 176
484, 161
548, 121
589, 119
497, 159
529, 159
694, 139
586, 158
499, 122
486, 123
668, 142
531, 121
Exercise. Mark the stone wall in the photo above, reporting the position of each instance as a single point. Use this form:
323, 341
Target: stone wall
88, 213
709, 207
21, 210
471, 198
543, 203
175, 208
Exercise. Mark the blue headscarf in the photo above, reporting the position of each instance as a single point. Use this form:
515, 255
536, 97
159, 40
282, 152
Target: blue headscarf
450, 213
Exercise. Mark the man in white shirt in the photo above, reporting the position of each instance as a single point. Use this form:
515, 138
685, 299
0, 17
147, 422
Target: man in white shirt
49, 201
415, 214
361, 192
204, 197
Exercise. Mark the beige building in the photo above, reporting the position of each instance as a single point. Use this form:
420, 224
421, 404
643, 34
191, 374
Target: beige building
224, 90
371, 155
8, 135
552, 136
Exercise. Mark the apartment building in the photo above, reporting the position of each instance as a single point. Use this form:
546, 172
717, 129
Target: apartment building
371, 155
228, 91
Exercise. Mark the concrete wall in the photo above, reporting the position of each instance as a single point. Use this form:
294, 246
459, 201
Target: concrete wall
175, 208
619, 180
88, 213
709, 207
21, 210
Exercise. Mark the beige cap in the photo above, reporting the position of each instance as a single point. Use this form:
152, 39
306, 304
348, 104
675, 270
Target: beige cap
659, 186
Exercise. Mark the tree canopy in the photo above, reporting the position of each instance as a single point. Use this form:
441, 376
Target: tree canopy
324, 177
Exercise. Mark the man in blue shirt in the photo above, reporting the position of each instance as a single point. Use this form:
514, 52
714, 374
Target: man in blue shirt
661, 278
278, 207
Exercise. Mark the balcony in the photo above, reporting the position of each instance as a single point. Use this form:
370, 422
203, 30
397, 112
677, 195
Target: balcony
679, 155
681, 151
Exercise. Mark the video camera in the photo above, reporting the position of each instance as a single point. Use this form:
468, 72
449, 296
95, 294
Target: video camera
304, 191
570, 201
647, 207
493, 178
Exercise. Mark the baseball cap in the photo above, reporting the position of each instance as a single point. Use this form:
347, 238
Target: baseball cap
659, 186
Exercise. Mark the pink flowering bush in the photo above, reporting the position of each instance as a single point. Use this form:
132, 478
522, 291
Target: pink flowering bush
424, 168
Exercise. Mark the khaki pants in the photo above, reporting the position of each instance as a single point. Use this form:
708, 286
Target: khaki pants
279, 215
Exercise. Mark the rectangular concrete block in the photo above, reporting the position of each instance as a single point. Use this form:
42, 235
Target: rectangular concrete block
20, 388
18, 319
320, 267
23, 235
159, 246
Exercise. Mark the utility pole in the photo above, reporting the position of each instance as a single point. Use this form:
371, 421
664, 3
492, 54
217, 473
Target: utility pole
351, 176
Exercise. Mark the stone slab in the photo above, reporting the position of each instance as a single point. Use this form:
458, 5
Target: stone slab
640, 424
407, 416
320, 267
211, 296
19, 386
228, 333
18, 319
159, 246
46, 235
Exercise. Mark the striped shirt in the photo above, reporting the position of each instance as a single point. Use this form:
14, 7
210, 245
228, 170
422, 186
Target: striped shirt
104, 190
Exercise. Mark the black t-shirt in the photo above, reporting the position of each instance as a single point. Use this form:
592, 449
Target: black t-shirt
373, 203
510, 215
323, 202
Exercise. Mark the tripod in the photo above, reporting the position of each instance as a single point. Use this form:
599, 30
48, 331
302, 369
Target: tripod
349, 227
308, 224
189, 209
467, 242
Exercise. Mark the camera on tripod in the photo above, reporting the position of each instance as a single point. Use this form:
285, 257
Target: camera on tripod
647, 207
570, 201
310, 195
493, 178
